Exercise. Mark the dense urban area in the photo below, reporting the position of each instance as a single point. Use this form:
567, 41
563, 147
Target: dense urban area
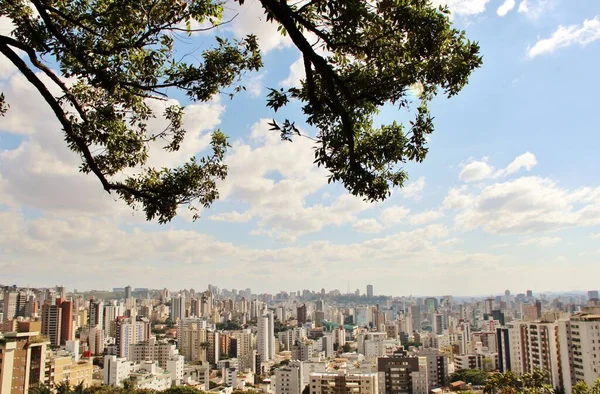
225, 341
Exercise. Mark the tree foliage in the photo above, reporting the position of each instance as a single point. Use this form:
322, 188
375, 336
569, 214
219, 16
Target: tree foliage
509, 383
474, 376
115, 59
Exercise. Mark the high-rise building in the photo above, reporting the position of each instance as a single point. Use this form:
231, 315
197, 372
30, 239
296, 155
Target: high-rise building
395, 374
127, 292
61, 292
437, 367
66, 325
343, 383
14, 304
177, 307
289, 379
593, 295
262, 338
369, 291
504, 359
362, 316
580, 348
431, 305
129, 332
52, 322
96, 313
541, 350
301, 314
22, 360
271, 334
111, 312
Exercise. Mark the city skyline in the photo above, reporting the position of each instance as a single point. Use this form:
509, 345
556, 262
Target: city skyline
501, 200
343, 292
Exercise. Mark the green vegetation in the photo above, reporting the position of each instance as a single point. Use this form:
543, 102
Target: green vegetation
229, 326
474, 376
123, 66
280, 326
583, 388
509, 383
412, 343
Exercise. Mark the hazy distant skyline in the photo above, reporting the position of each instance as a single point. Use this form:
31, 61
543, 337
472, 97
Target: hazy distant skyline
509, 196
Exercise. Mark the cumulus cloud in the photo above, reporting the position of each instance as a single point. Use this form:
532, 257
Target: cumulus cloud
479, 170
394, 215
280, 203
535, 8
108, 248
527, 205
367, 226
254, 84
425, 217
233, 216
525, 161
414, 189
476, 171
295, 75
505, 7
251, 19
566, 36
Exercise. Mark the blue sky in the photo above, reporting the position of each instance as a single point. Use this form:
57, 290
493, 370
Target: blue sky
509, 196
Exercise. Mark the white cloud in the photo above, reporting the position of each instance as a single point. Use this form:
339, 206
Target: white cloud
464, 7
457, 198
540, 241
425, 217
526, 205
526, 160
479, 170
595, 236
367, 226
254, 84
563, 37
108, 249
505, 7
535, 8
476, 171
413, 190
233, 216
296, 74
252, 20
394, 215
275, 178
452, 242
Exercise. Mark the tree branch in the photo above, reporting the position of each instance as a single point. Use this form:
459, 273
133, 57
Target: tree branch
285, 16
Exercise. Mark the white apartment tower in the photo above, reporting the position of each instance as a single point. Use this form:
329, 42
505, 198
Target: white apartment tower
289, 379
262, 338
580, 348
541, 345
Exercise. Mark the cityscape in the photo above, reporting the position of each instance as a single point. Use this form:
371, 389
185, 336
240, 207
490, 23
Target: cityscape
299, 197
225, 340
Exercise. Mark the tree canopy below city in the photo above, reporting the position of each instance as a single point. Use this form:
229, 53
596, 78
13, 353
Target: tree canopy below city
475, 377
100, 66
